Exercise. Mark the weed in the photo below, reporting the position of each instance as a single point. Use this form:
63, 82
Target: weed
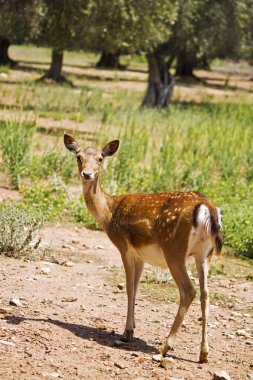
50, 199
15, 140
52, 163
17, 228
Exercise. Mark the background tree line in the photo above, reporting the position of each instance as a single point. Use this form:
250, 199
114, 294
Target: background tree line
186, 34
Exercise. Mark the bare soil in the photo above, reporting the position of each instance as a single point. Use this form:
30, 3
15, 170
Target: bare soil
71, 316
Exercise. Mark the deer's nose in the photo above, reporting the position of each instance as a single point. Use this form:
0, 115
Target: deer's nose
86, 175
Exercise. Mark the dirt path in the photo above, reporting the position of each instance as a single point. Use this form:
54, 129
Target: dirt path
71, 316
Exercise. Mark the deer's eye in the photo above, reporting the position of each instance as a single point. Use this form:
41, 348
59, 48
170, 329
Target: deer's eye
100, 159
78, 158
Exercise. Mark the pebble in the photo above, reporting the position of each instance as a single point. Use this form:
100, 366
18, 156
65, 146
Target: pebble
230, 336
68, 264
53, 375
120, 286
7, 343
99, 247
221, 375
5, 310
249, 342
118, 365
15, 302
250, 376
242, 333
69, 299
157, 358
236, 314
45, 270
167, 363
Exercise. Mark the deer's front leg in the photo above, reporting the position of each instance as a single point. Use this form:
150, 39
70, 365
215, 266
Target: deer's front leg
133, 269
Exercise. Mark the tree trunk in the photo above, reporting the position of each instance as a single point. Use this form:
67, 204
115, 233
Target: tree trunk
160, 82
185, 64
4, 56
109, 61
54, 73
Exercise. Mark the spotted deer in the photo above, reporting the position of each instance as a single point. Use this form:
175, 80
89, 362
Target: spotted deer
161, 229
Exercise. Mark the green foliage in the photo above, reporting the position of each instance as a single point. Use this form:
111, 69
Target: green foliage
157, 276
214, 269
18, 225
15, 141
52, 163
129, 25
238, 225
50, 199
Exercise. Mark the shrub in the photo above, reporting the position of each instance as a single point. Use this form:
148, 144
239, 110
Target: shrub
50, 199
15, 141
18, 225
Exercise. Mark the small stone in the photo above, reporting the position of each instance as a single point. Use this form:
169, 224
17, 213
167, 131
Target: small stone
230, 336
221, 375
53, 375
242, 333
250, 376
15, 302
69, 264
157, 358
69, 299
5, 310
236, 314
167, 363
118, 365
45, 270
6, 343
120, 286
75, 241
249, 342
99, 247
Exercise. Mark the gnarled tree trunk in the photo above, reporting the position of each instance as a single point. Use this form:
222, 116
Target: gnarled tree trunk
54, 73
4, 56
160, 82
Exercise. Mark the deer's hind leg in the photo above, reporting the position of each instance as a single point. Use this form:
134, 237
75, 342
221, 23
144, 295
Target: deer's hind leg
187, 294
202, 269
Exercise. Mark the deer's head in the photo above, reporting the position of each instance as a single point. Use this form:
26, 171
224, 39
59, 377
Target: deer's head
89, 159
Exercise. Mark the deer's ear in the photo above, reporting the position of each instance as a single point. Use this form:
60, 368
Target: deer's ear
110, 148
71, 144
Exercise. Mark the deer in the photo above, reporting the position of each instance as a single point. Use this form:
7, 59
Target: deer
162, 229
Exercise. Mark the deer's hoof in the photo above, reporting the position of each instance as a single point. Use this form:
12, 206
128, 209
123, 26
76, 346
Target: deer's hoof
127, 336
165, 348
203, 357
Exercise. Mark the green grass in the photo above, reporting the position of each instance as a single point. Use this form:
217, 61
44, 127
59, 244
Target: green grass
205, 147
15, 142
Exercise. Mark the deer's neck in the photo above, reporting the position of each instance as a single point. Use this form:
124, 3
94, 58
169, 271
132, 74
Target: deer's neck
99, 204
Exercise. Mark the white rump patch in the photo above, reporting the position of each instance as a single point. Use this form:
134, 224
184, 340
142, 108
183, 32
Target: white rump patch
204, 218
